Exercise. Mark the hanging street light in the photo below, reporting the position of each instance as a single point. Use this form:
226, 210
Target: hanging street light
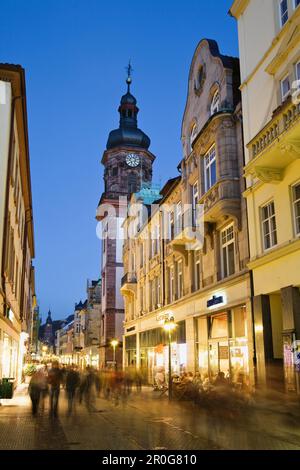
114, 343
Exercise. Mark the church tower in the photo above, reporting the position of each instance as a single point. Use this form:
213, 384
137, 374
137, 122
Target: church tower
127, 167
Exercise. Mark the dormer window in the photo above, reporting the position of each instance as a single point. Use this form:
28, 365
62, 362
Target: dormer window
215, 103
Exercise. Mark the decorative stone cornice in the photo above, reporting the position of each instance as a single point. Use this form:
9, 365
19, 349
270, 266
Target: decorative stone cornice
292, 246
238, 7
268, 175
290, 41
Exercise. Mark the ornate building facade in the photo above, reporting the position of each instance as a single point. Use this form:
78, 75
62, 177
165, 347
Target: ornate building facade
269, 44
203, 284
16, 224
127, 166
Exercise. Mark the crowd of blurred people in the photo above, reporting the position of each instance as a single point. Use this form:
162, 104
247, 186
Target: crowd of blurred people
207, 390
81, 386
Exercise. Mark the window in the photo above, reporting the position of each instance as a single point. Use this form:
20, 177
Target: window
219, 326
171, 225
297, 67
296, 3
195, 200
153, 243
210, 168
269, 226
283, 11
215, 103
141, 255
193, 136
132, 183
296, 207
142, 298
158, 292
178, 218
171, 284
179, 279
227, 248
197, 270
152, 295
285, 87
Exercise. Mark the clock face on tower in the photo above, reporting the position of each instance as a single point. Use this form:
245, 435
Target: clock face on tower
132, 159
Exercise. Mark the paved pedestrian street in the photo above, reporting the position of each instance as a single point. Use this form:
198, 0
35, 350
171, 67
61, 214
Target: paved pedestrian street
145, 422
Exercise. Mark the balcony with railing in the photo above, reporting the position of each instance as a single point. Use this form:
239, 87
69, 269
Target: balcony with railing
276, 145
221, 200
129, 284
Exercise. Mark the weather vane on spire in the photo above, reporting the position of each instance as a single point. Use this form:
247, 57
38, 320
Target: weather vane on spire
129, 70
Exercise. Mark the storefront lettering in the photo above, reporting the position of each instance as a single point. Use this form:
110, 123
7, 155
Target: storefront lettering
215, 301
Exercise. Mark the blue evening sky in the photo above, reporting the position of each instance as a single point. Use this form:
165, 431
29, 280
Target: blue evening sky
75, 53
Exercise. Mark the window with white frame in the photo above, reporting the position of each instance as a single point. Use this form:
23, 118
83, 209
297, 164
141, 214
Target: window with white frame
195, 200
227, 249
215, 103
197, 270
179, 279
178, 218
283, 12
210, 168
296, 207
296, 3
285, 87
269, 230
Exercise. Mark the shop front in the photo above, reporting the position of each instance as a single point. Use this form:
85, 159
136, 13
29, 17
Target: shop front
222, 344
11, 354
154, 352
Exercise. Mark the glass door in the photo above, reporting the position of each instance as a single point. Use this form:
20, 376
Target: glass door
218, 358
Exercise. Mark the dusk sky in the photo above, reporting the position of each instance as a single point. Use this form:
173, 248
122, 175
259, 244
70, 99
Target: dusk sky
74, 53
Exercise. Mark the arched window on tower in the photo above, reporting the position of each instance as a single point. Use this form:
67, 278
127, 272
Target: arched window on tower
132, 183
215, 103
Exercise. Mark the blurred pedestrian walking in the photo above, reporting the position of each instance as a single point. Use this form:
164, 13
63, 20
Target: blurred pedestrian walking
54, 379
72, 382
36, 385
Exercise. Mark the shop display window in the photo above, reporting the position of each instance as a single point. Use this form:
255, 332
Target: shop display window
219, 326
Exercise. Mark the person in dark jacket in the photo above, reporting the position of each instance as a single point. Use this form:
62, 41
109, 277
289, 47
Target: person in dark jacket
54, 379
72, 382
36, 386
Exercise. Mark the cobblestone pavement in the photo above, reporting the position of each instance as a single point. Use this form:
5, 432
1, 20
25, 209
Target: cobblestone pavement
146, 421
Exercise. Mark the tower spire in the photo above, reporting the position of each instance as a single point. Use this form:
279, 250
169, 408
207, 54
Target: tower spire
129, 70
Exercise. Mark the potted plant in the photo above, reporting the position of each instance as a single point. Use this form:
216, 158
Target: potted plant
29, 370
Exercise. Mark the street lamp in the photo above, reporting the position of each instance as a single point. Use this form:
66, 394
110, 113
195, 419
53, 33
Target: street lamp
114, 343
170, 326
